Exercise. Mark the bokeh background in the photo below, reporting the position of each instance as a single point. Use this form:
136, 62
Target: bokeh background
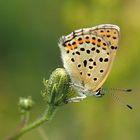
29, 33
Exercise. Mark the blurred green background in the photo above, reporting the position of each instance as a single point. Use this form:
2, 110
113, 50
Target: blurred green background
29, 33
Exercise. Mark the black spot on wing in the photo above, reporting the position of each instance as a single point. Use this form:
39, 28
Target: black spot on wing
85, 63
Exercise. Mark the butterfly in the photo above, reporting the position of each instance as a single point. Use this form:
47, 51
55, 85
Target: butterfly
87, 56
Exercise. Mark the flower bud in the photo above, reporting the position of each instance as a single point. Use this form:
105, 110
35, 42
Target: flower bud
25, 104
57, 88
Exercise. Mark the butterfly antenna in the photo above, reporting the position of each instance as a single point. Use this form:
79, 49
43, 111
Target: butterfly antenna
118, 99
119, 89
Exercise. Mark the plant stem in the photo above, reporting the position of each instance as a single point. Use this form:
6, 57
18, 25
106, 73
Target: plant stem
24, 120
46, 117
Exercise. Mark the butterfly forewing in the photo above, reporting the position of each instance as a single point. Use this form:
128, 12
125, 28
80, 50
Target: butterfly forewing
87, 55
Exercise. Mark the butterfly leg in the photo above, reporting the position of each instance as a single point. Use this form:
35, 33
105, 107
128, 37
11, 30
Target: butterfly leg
98, 93
77, 99
78, 87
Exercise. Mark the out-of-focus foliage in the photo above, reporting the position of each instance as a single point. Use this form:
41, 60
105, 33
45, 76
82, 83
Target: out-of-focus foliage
29, 32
